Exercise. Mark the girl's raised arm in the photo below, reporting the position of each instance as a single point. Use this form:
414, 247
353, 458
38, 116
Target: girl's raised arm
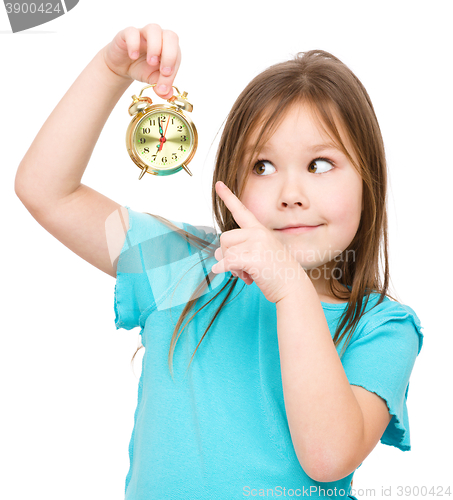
48, 180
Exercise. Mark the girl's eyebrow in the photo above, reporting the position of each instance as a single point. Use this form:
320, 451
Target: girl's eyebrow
248, 150
321, 147
313, 149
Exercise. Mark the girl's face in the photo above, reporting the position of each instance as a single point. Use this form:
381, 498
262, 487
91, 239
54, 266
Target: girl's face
301, 180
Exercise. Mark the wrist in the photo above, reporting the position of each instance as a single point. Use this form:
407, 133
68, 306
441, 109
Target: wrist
110, 77
297, 285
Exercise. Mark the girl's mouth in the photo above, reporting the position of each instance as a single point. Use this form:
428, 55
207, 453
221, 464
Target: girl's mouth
298, 229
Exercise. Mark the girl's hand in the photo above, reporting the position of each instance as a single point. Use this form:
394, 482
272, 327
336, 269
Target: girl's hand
254, 253
149, 55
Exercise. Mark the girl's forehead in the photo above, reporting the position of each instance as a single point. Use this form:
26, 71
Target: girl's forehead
266, 128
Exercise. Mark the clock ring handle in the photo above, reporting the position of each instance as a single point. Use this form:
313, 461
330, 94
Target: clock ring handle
153, 85
179, 100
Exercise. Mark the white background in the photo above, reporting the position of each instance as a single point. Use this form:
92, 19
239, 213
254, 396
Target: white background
67, 389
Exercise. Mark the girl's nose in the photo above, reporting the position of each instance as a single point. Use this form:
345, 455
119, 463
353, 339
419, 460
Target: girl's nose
297, 203
293, 195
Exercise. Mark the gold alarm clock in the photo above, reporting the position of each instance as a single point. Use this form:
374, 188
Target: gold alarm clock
161, 139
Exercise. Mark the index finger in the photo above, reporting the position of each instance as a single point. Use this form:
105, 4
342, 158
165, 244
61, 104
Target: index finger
240, 212
163, 55
169, 61
153, 36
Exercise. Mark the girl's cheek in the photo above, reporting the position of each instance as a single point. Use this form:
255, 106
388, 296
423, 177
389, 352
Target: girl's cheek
256, 203
345, 212
346, 198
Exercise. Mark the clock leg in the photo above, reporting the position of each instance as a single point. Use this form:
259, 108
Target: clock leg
186, 169
144, 170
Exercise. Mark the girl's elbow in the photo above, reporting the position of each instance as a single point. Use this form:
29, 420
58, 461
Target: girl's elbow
325, 468
322, 475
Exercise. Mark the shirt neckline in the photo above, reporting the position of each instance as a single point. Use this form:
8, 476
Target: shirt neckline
330, 305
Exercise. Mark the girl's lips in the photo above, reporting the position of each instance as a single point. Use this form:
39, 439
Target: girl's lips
296, 230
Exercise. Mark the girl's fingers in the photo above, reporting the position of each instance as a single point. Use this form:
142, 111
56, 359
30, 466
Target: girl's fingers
170, 48
131, 36
169, 63
229, 260
160, 49
163, 54
218, 254
245, 277
153, 36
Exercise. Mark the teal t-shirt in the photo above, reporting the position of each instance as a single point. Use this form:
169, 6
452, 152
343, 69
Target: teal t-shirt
220, 430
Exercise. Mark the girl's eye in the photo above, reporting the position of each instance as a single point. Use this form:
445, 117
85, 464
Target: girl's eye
320, 163
260, 165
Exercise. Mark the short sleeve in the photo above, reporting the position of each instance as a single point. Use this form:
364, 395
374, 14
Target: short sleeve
160, 267
381, 360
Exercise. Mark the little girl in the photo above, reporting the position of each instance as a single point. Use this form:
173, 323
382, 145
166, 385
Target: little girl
292, 362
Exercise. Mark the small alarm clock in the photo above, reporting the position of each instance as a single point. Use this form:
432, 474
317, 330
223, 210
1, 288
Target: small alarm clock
161, 139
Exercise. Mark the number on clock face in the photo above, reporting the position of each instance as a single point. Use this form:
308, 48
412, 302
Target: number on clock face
163, 139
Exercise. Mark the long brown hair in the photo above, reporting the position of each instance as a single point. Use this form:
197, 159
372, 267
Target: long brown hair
336, 96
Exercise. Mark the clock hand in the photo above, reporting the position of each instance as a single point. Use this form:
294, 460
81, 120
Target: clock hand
161, 132
163, 139
161, 143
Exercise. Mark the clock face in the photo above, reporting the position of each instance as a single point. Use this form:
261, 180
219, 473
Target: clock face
163, 139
